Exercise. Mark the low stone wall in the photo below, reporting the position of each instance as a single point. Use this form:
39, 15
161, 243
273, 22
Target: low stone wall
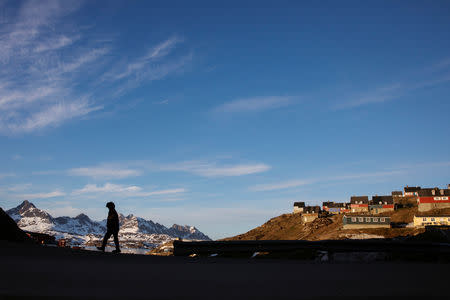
306, 218
430, 206
298, 210
375, 211
363, 226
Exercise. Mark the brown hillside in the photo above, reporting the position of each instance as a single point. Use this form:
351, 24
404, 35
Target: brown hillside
291, 227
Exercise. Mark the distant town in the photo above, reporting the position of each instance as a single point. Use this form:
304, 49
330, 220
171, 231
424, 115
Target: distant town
361, 212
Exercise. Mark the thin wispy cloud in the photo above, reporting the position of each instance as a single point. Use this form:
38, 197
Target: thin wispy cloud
434, 75
20, 187
51, 116
55, 43
46, 63
254, 104
107, 188
209, 169
121, 170
157, 63
280, 185
36, 89
303, 182
32, 21
5, 175
105, 172
31, 196
162, 102
124, 191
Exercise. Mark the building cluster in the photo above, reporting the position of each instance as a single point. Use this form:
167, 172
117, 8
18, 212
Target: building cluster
361, 212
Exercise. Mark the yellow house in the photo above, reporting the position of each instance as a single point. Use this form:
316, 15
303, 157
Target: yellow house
431, 220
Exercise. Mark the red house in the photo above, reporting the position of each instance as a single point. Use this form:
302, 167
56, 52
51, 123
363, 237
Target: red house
434, 198
359, 203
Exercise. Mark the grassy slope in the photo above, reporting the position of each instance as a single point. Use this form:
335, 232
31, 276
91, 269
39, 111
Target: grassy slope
291, 227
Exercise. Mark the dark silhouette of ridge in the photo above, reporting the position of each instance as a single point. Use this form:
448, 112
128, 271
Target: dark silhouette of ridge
10, 231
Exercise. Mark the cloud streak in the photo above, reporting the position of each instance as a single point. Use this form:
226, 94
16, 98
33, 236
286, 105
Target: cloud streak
302, 182
255, 104
52, 194
5, 175
105, 172
435, 75
52, 74
36, 89
208, 169
124, 191
136, 68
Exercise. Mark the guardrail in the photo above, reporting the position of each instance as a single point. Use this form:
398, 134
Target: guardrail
182, 248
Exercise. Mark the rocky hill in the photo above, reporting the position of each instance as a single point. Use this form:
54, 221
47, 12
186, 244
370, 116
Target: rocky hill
10, 231
291, 227
134, 231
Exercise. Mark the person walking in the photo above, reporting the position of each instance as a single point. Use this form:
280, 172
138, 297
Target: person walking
112, 228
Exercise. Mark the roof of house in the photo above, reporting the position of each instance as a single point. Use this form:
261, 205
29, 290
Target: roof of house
311, 208
410, 189
333, 204
357, 199
437, 192
383, 199
299, 204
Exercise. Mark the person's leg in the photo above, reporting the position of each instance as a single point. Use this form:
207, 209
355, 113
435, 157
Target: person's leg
116, 240
106, 238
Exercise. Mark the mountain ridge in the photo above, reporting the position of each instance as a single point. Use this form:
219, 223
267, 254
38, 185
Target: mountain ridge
81, 229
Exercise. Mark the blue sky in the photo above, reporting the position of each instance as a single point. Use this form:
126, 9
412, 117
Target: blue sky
220, 116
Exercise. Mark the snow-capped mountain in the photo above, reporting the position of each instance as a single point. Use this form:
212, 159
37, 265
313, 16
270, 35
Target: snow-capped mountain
82, 230
187, 232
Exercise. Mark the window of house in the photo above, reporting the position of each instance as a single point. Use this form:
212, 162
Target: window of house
382, 219
424, 219
361, 219
367, 219
432, 219
354, 219
380, 202
375, 219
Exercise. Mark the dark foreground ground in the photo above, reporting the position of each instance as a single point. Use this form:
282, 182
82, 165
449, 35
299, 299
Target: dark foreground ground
41, 273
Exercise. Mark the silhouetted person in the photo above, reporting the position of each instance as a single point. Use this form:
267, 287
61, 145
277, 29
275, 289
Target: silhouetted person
112, 228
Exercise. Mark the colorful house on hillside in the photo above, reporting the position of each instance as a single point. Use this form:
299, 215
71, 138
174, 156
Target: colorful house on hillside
359, 203
423, 220
365, 221
298, 207
411, 190
397, 194
434, 198
336, 208
310, 213
381, 204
